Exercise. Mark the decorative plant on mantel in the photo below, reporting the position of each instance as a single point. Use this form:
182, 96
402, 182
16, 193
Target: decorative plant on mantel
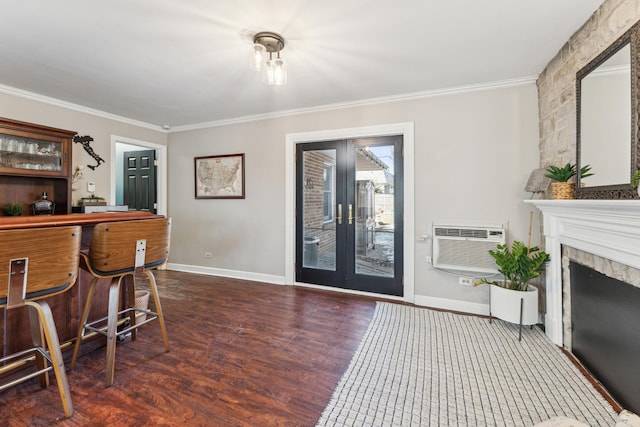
517, 265
563, 188
635, 179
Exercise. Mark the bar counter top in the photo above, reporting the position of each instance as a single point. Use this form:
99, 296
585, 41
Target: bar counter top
14, 222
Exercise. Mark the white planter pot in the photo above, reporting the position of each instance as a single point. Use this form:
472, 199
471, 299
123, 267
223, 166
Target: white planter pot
505, 304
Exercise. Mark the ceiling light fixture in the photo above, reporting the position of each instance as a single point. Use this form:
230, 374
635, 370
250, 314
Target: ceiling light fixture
274, 70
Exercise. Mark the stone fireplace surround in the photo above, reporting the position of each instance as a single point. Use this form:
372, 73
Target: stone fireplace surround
603, 234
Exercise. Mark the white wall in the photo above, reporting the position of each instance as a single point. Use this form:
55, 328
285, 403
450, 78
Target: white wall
473, 154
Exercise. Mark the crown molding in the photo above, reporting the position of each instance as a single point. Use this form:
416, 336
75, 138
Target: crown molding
276, 114
32, 96
364, 102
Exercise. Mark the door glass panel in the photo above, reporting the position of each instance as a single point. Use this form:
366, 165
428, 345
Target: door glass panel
374, 211
319, 209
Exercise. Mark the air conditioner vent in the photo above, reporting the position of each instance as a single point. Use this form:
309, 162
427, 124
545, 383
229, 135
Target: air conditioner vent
469, 233
466, 248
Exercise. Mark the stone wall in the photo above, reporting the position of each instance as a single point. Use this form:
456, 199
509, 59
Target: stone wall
557, 83
557, 121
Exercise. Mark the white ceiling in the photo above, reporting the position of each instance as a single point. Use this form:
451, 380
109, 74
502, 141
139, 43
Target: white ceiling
186, 62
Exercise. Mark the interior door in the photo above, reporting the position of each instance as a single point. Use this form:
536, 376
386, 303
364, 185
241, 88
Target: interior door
139, 189
349, 214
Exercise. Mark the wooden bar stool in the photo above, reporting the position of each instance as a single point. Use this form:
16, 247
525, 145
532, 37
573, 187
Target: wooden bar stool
117, 250
36, 263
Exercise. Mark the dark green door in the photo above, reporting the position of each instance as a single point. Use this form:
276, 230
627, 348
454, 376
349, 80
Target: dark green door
139, 189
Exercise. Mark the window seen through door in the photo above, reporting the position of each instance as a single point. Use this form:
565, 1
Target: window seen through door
328, 200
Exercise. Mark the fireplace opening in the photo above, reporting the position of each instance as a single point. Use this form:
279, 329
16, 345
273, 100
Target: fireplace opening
605, 331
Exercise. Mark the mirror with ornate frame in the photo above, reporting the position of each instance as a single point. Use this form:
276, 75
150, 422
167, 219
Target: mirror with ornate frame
607, 120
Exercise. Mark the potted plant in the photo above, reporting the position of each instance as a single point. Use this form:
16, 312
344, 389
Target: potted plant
635, 180
563, 185
512, 298
12, 209
93, 201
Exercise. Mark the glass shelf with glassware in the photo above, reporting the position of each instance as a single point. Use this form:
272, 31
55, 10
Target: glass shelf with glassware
30, 154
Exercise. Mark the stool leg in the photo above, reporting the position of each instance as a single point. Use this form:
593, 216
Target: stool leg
53, 345
83, 321
156, 300
37, 337
130, 284
112, 326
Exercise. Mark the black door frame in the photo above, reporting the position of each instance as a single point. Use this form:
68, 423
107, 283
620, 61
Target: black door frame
345, 275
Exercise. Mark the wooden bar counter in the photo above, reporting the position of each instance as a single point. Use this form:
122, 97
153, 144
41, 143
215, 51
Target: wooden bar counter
66, 307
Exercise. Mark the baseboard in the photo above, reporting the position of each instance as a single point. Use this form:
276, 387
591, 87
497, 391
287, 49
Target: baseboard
234, 274
421, 300
453, 305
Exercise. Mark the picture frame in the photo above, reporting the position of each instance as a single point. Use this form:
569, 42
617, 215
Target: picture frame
219, 176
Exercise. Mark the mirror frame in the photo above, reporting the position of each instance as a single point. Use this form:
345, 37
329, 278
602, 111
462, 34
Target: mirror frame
618, 191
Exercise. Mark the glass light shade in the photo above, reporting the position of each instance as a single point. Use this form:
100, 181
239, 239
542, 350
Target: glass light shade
279, 72
275, 72
267, 73
257, 60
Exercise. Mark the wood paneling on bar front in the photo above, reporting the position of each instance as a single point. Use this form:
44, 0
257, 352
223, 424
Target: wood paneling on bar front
66, 307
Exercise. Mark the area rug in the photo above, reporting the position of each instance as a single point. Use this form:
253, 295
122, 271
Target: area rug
420, 367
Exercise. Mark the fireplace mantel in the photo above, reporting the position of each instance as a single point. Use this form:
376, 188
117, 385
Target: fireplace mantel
607, 228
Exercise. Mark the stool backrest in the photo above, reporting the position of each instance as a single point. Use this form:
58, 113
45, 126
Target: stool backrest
114, 245
52, 255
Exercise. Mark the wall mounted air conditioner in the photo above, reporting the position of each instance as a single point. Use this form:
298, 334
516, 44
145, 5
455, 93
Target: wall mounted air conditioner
463, 248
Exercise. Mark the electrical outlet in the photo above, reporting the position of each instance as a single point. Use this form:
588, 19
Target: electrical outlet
428, 259
208, 255
465, 281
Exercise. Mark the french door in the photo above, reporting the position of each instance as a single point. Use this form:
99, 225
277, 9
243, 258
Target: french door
349, 200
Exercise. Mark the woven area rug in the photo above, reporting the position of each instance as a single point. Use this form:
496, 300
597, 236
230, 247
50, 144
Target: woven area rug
420, 367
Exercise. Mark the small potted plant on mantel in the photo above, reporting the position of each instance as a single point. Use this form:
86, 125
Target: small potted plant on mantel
635, 180
512, 298
563, 186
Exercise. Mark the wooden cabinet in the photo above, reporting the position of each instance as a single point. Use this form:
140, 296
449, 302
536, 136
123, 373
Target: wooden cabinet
35, 159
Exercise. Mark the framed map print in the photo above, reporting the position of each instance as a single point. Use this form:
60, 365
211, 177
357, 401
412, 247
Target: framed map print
220, 177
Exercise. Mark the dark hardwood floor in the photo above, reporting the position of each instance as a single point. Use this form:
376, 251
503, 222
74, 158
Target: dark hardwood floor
242, 354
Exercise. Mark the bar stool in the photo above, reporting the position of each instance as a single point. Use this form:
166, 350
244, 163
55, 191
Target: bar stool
37, 263
117, 250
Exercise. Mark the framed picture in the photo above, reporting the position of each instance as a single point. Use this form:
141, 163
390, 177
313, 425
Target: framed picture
220, 177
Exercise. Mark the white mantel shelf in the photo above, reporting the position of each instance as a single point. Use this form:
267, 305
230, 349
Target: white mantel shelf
607, 228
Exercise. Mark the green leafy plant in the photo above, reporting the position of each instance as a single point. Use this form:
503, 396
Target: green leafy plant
12, 209
561, 174
517, 265
566, 172
585, 171
635, 179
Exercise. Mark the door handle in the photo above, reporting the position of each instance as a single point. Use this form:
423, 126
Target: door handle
350, 213
339, 213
